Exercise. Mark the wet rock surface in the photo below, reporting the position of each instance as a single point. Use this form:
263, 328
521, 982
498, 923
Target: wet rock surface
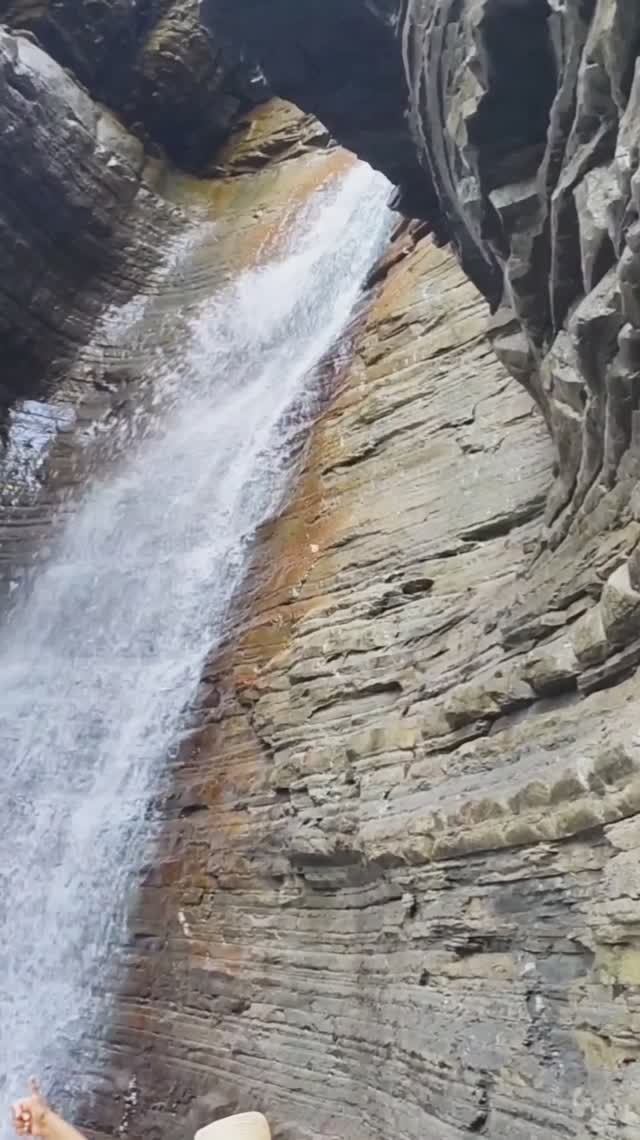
87, 94
93, 230
397, 893
523, 116
398, 890
175, 80
72, 206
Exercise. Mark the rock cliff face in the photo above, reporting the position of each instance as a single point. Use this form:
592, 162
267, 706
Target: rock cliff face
397, 893
94, 105
71, 201
91, 251
523, 115
399, 889
79, 225
175, 80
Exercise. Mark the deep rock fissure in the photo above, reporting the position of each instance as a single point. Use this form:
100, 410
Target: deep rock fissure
510, 126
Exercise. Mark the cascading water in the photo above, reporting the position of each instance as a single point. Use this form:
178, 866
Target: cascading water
101, 658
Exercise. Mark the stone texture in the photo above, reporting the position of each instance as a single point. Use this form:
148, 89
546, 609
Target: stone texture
341, 62
404, 839
79, 226
91, 233
523, 116
397, 892
72, 201
175, 80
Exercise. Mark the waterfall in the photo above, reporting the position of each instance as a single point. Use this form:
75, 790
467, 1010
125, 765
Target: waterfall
102, 656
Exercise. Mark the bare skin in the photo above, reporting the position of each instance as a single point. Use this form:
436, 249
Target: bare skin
32, 1116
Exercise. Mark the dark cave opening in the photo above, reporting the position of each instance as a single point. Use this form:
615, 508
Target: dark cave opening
510, 128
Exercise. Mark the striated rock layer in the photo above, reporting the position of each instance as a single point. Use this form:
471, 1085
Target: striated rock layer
94, 227
176, 81
523, 117
80, 225
73, 204
398, 887
397, 894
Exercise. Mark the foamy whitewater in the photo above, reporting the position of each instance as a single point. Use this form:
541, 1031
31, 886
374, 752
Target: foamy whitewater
101, 659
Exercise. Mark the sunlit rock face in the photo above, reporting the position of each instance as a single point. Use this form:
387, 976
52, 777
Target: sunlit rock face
396, 893
523, 116
398, 886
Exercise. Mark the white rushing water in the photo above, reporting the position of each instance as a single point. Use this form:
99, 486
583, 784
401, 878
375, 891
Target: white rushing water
100, 660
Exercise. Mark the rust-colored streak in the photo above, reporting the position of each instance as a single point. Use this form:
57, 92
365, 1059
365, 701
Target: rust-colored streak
227, 759
209, 843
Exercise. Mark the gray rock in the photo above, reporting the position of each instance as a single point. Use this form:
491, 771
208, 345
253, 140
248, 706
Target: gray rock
524, 119
57, 165
589, 638
620, 608
426, 893
174, 79
413, 865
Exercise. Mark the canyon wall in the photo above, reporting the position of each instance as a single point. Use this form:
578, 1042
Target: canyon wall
80, 227
87, 147
397, 893
523, 118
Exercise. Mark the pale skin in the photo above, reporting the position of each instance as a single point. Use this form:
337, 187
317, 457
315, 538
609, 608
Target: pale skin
32, 1116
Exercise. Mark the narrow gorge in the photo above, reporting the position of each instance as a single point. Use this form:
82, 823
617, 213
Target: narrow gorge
319, 565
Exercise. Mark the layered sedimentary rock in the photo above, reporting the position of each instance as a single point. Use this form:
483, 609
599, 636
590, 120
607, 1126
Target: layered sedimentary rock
80, 226
398, 894
523, 115
87, 222
72, 201
92, 229
175, 80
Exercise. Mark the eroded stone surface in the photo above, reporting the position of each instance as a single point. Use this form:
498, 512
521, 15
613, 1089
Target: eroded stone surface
176, 80
95, 288
523, 115
397, 894
79, 227
72, 203
398, 889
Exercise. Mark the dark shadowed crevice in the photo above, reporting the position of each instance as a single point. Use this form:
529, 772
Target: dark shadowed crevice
510, 129
341, 61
